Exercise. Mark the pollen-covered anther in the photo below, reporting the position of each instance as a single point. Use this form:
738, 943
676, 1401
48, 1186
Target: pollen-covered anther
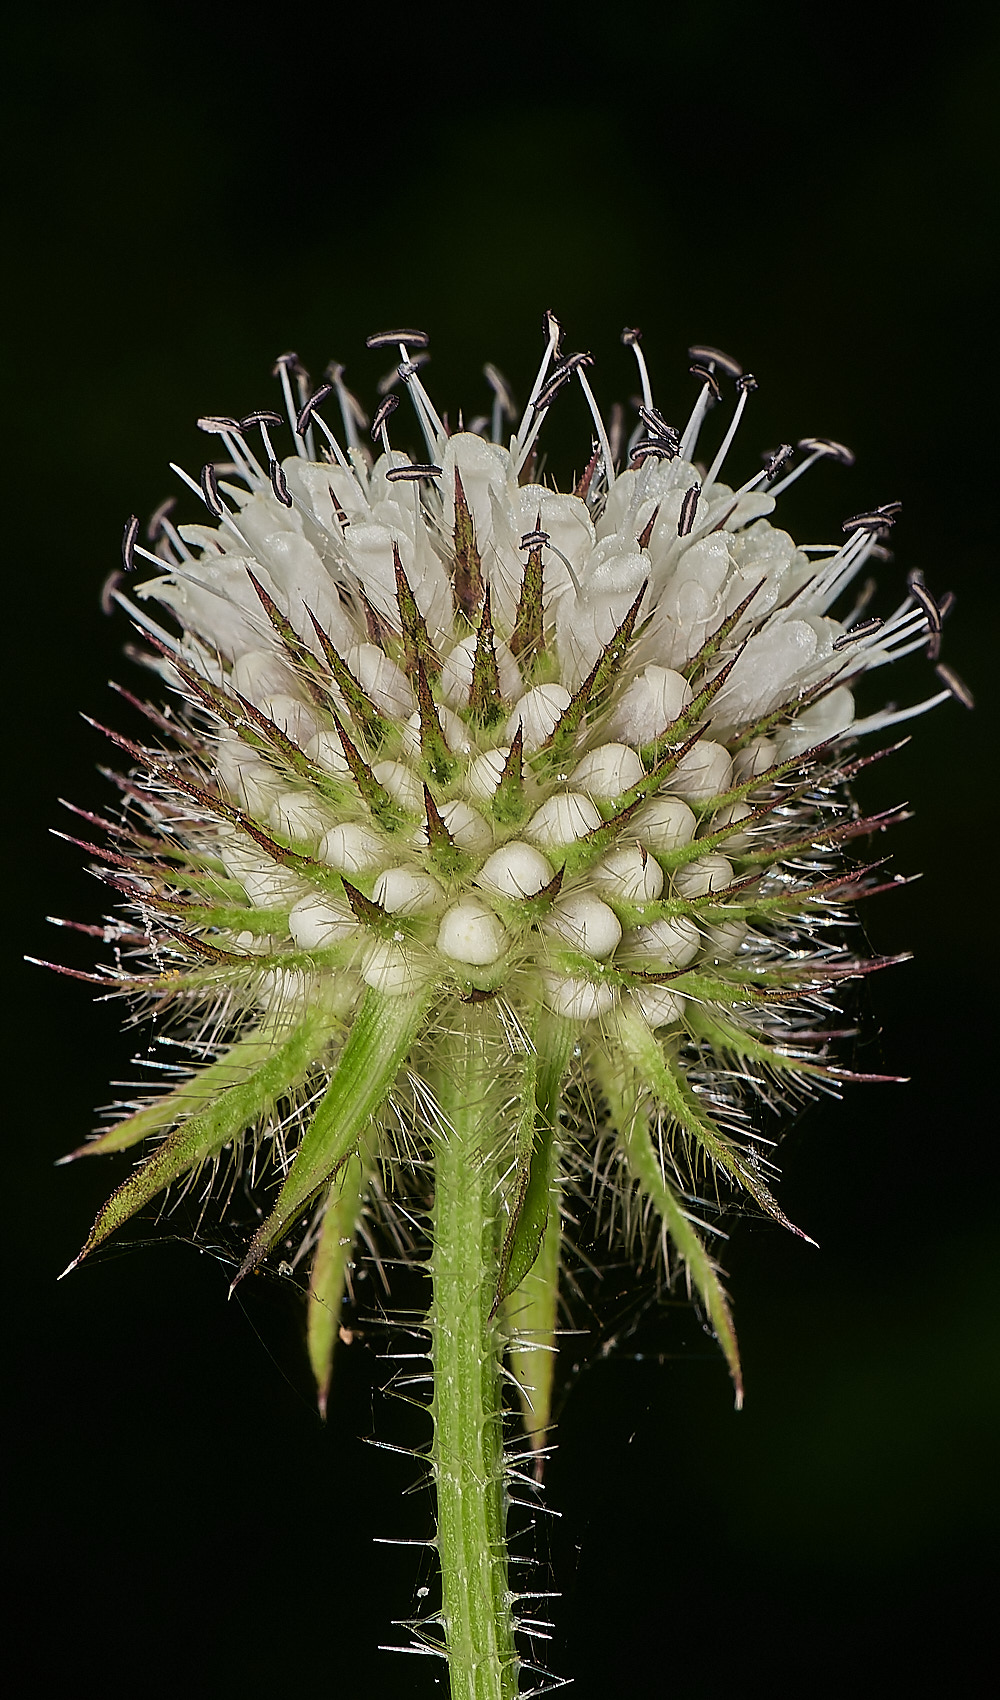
515, 870
586, 923
470, 933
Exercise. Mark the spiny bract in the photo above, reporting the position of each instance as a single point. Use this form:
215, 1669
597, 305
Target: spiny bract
452, 746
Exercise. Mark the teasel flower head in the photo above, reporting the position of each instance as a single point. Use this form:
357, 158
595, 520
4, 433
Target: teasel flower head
477, 802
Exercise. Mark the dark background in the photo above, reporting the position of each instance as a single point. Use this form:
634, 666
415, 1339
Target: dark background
195, 189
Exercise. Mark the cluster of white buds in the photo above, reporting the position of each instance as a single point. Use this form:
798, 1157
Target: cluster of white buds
452, 747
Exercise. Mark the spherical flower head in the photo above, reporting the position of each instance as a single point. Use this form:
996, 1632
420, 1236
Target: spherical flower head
503, 792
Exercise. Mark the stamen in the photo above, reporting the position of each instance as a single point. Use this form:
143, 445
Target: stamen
279, 484
866, 630
351, 410
875, 520
957, 687
774, 462
689, 508
206, 490
545, 397
819, 448
129, 536
385, 409
406, 339
553, 331
306, 411
744, 383
631, 339
660, 448
218, 424
210, 491
705, 362
921, 594
715, 360
283, 366
602, 435
401, 374
157, 519
402, 474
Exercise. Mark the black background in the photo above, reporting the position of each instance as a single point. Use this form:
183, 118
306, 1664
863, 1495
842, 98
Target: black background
195, 189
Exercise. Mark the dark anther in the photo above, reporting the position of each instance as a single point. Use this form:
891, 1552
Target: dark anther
536, 539
873, 519
409, 474
827, 446
702, 355
689, 508
664, 448
919, 591
865, 630
279, 483
218, 424
385, 408
547, 394
958, 687
657, 425
210, 491
156, 519
708, 378
306, 411
560, 376
386, 339
776, 460
631, 336
746, 381
261, 417
291, 362
129, 536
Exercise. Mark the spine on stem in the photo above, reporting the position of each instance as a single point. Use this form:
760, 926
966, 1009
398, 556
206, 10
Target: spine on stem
466, 1348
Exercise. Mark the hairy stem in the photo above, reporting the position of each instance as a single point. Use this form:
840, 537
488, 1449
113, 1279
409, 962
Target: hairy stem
466, 1350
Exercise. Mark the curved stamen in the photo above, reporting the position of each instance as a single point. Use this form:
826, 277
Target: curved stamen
285, 364
744, 384
554, 332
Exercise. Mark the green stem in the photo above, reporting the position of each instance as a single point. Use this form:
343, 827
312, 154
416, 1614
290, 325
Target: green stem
466, 1351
